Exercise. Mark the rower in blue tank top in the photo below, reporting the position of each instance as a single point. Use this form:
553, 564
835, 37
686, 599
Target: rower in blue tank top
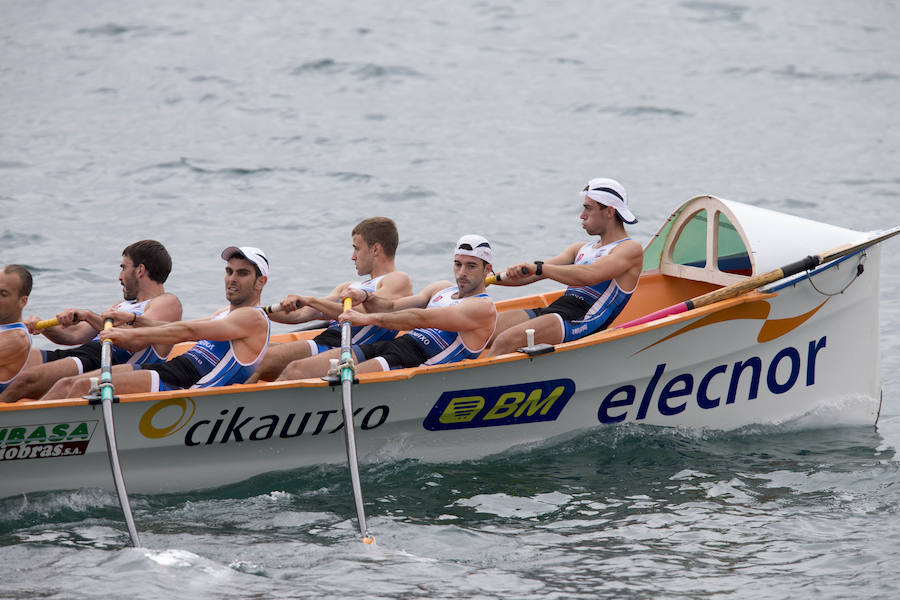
214, 364
439, 345
600, 276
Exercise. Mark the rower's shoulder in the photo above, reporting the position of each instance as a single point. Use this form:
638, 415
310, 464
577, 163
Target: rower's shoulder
164, 307
395, 284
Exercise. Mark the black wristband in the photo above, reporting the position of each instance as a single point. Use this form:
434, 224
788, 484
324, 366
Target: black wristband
133, 319
540, 268
367, 296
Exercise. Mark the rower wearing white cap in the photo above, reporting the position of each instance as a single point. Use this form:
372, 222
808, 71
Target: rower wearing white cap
446, 322
601, 276
230, 344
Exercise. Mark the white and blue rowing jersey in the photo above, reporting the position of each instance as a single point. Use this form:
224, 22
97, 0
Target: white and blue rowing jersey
366, 334
216, 362
445, 346
148, 355
605, 299
11, 327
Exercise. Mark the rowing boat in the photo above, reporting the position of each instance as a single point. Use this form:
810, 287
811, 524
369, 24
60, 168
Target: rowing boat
805, 344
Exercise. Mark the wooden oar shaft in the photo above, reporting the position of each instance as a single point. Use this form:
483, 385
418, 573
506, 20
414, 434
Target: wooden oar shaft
810, 262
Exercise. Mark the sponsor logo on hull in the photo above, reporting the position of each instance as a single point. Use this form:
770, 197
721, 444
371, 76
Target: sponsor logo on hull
721, 385
500, 405
46, 440
171, 416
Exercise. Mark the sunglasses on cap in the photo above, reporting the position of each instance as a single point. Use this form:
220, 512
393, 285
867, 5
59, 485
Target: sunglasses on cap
588, 188
466, 246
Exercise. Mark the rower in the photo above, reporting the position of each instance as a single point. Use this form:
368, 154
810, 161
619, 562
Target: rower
601, 276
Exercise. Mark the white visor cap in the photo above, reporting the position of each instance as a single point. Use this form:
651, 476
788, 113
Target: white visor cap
610, 192
475, 245
254, 255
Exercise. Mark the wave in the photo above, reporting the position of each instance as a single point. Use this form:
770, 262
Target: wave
633, 111
360, 70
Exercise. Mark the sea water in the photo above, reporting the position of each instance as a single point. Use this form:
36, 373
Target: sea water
281, 124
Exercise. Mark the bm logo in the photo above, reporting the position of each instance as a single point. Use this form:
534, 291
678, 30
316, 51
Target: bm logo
501, 405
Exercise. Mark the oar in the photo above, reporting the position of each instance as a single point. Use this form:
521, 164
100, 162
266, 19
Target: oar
106, 397
50, 322
317, 324
757, 281
347, 376
46, 323
270, 308
498, 277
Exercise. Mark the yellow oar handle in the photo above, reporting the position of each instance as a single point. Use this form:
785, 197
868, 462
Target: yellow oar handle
46, 323
107, 324
498, 277
51, 322
348, 303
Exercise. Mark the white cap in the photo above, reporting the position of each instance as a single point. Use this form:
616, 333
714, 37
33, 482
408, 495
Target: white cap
610, 192
254, 255
475, 245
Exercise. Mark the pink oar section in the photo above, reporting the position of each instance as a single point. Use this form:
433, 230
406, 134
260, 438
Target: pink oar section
663, 312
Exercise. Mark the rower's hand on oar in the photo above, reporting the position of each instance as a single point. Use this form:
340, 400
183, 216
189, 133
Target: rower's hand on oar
121, 337
356, 295
119, 318
293, 302
69, 317
518, 271
31, 324
354, 317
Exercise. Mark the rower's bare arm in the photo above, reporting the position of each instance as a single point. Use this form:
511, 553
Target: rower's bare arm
626, 259
380, 304
77, 326
310, 308
468, 315
525, 273
238, 324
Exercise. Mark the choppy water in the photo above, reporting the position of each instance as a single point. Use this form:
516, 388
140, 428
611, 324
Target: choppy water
281, 124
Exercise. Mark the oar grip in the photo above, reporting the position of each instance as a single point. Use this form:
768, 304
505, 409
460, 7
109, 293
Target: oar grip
270, 308
806, 264
498, 277
348, 303
46, 323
